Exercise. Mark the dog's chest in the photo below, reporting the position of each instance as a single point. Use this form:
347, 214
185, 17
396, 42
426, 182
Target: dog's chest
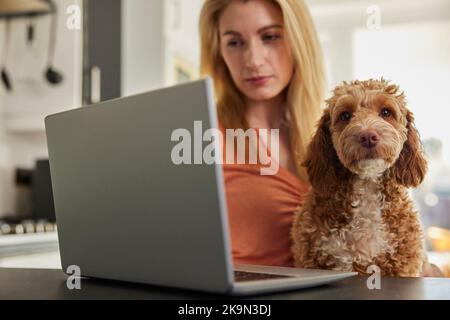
366, 235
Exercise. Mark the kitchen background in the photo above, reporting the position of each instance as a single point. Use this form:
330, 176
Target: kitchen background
109, 48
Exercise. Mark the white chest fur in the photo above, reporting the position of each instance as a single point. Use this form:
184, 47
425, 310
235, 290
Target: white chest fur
366, 235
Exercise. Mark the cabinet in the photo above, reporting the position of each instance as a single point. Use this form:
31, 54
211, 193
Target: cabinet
102, 50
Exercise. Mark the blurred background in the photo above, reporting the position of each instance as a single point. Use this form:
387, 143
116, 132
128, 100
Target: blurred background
57, 55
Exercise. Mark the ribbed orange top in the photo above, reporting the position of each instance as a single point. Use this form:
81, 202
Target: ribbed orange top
260, 209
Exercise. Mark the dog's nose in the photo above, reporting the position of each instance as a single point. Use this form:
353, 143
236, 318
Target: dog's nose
369, 139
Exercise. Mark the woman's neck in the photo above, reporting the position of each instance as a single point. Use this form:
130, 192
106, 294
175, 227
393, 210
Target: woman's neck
265, 114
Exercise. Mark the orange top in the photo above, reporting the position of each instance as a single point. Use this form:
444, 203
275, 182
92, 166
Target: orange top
260, 209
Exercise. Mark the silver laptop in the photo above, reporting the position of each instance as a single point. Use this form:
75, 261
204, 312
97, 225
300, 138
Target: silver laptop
125, 211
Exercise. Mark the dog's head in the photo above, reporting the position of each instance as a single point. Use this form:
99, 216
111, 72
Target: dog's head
365, 130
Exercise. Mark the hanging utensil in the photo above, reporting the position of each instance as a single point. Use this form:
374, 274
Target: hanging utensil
30, 31
4, 73
53, 77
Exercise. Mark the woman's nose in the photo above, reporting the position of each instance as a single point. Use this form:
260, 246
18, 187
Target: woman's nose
254, 56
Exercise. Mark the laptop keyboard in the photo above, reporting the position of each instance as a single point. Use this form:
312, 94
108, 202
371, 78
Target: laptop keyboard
240, 276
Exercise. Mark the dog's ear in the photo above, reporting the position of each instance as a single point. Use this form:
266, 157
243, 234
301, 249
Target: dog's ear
411, 166
324, 169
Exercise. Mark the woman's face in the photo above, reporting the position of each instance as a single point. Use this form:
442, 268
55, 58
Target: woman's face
255, 49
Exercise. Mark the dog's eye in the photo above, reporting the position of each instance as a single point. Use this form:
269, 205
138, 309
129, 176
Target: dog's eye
345, 116
385, 113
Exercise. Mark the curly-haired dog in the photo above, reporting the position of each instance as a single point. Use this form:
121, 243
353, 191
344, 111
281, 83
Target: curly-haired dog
365, 155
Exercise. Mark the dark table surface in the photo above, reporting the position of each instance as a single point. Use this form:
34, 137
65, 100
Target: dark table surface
51, 284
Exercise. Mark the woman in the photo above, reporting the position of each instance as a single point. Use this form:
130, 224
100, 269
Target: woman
266, 63
242, 41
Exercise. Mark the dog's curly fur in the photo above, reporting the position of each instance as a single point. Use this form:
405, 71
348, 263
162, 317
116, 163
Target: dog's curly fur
359, 212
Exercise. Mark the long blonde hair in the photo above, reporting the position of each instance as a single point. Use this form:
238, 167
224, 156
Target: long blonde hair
305, 92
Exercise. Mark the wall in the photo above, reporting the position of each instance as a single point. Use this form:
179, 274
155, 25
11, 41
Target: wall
336, 22
142, 45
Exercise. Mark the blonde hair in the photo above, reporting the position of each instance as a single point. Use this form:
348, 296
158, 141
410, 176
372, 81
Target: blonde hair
305, 92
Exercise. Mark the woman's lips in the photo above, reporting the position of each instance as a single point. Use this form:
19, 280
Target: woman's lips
258, 81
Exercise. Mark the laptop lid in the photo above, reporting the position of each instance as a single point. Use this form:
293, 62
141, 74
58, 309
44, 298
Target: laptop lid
124, 210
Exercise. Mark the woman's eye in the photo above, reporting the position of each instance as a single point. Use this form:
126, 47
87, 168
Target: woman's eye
345, 116
234, 43
385, 113
271, 37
